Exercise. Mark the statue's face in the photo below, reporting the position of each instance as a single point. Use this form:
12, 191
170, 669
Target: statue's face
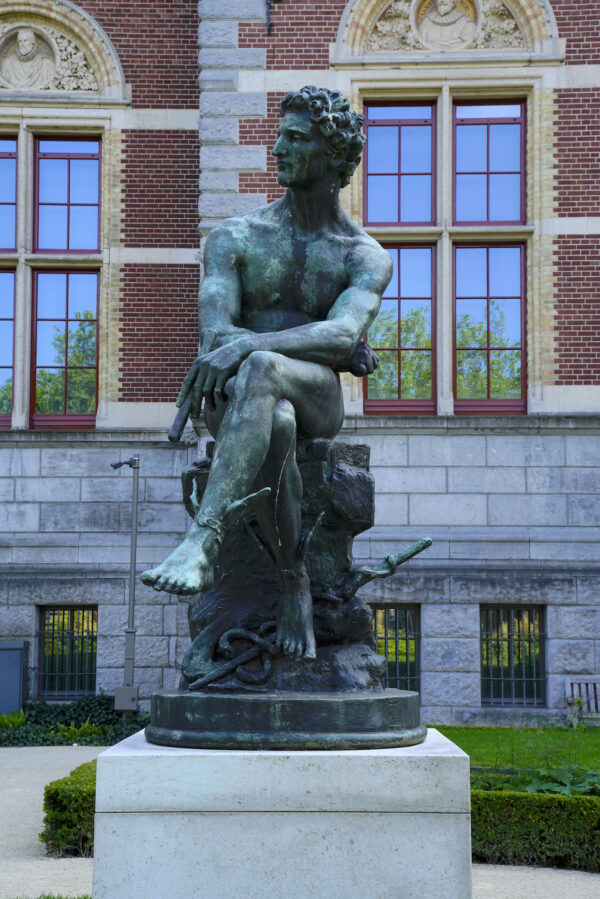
301, 151
25, 42
445, 6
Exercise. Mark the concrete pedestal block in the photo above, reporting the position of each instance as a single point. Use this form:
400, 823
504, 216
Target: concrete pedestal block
183, 823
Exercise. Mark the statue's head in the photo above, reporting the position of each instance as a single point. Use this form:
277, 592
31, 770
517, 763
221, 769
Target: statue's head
329, 116
445, 6
26, 43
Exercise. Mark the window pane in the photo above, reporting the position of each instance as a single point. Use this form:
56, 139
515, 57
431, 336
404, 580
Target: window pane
382, 193
493, 111
505, 148
382, 149
471, 148
471, 374
505, 323
415, 380
471, 198
415, 323
7, 294
399, 112
52, 228
49, 392
50, 348
415, 148
471, 323
505, 374
83, 295
51, 295
8, 146
6, 391
505, 198
415, 272
84, 180
505, 271
81, 392
471, 272
54, 175
8, 180
383, 383
6, 343
83, 228
82, 343
69, 146
415, 198
384, 330
392, 288
7, 227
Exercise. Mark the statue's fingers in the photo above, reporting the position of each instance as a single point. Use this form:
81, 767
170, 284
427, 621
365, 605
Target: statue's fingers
187, 383
220, 386
197, 394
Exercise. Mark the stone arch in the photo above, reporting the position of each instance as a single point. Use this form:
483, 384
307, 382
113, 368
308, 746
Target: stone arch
76, 26
535, 18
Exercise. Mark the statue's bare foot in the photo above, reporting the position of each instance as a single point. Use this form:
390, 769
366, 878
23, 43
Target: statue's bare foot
295, 635
190, 568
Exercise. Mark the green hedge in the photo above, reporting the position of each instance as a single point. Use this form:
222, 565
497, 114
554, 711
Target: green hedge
69, 806
545, 831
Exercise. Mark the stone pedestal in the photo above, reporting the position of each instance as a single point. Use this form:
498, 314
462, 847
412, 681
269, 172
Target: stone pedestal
184, 823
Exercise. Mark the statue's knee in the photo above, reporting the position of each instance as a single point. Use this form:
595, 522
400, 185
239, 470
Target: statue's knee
259, 368
284, 423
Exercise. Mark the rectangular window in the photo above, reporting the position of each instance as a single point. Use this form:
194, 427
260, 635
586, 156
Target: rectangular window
67, 652
67, 190
512, 656
8, 194
489, 329
7, 322
65, 349
399, 165
403, 336
397, 637
489, 163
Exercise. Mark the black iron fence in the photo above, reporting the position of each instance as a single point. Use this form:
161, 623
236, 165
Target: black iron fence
67, 652
512, 656
397, 634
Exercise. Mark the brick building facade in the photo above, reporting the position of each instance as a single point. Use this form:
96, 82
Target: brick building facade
492, 450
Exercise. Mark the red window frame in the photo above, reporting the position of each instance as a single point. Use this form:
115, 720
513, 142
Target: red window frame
6, 418
64, 420
522, 121
490, 406
371, 123
68, 156
401, 406
12, 155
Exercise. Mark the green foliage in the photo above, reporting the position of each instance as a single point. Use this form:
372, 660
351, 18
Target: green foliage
81, 384
13, 719
6, 396
69, 813
71, 733
573, 781
545, 831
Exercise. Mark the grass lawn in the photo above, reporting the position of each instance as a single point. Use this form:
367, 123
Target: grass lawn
525, 747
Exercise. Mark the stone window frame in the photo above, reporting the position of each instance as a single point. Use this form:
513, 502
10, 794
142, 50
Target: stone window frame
539, 640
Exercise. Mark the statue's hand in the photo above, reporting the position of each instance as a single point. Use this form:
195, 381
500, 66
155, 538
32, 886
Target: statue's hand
363, 361
209, 374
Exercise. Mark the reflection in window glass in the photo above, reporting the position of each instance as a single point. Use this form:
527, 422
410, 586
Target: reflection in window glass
383, 383
8, 194
416, 375
85, 147
415, 198
7, 307
52, 223
471, 272
416, 149
68, 195
52, 294
83, 227
399, 112
54, 181
383, 150
493, 111
382, 198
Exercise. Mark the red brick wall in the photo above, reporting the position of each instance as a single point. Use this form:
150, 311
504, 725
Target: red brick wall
159, 330
302, 32
161, 189
262, 132
578, 152
577, 261
579, 22
157, 42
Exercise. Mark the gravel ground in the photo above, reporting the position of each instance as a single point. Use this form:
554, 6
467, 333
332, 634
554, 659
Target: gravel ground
26, 873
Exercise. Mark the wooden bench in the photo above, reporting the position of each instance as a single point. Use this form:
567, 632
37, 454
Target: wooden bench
586, 688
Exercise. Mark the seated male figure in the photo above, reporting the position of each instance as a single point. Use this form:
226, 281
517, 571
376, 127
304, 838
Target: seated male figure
288, 295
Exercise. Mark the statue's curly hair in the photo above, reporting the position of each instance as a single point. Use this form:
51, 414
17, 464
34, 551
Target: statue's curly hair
340, 126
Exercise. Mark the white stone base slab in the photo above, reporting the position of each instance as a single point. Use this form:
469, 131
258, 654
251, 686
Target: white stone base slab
190, 823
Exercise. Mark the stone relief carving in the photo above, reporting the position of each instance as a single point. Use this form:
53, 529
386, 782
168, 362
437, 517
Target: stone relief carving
42, 58
445, 25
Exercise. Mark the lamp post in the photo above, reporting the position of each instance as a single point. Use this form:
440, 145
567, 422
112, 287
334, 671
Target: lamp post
126, 697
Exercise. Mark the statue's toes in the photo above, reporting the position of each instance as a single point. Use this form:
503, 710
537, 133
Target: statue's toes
148, 577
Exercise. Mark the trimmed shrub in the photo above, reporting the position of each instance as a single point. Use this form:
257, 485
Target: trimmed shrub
545, 830
69, 806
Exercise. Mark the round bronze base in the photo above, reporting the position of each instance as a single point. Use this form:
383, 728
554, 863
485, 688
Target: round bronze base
294, 721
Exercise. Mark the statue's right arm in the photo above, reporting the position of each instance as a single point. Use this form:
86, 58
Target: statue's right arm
219, 301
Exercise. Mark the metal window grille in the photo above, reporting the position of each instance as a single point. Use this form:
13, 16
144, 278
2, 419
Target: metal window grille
512, 656
398, 638
67, 652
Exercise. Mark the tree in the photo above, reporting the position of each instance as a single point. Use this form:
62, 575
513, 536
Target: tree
81, 381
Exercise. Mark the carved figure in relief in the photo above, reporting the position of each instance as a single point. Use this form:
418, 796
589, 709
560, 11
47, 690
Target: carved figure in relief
26, 63
445, 26
290, 289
